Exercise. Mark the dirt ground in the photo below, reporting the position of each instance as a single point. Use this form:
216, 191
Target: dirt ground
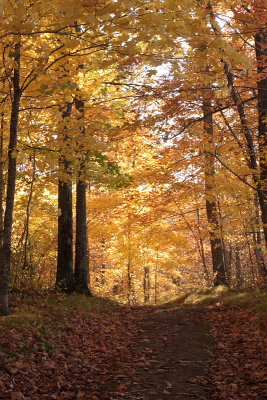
170, 358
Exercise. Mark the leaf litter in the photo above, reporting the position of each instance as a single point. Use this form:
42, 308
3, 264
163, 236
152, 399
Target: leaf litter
239, 366
116, 353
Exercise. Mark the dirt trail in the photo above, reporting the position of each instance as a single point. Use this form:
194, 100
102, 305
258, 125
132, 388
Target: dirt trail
156, 353
123, 354
169, 358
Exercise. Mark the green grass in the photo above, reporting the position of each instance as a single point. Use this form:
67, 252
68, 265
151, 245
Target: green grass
82, 302
19, 319
253, 299
41, 312
38, 318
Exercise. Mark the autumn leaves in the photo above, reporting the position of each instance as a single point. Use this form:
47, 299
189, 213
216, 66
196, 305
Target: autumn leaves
100, 60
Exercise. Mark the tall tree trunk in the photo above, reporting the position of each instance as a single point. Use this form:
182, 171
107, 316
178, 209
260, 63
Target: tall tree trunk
156, 280
211, 206
258, 251
28, 215
65, 275
228, 264
202, 251
238, 269
222, 239
5, 249
81, 244
102, 275
129, 263
146, 285
261, 56
259, 180
129, 283
2, 182
251, 159
81, 249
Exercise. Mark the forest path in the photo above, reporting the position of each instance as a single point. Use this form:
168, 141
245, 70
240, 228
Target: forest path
79, 348
169, 358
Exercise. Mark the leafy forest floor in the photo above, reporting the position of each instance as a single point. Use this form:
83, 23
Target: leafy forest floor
73, 347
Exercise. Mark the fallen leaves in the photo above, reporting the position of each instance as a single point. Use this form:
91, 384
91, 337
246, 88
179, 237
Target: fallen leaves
74, 354
240, 362
16, 367
64, 353
17, 396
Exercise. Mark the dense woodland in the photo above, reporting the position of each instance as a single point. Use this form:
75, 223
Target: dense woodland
133, 141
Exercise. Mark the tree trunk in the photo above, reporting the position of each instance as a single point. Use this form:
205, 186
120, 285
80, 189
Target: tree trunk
81, 255
258, 251
102, 275
146, 285
129, 264
261, 56
81, 245
211, 206
2, 182
238, 269
65, 275
5, 249
251, 161
28, 215
156, 280
228, 264
202, 251
129, 283
260, 180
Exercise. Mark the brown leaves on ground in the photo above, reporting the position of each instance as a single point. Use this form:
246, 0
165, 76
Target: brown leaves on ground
240, 362
66, 354
103, 352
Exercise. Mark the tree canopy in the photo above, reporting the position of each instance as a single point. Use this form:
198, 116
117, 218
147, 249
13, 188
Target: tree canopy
157, 110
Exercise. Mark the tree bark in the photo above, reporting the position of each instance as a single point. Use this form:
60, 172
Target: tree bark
228, 264
238, 269
5, 249
252, 161
202, 251
2, 182
146, 285
28, 216
258, 251
129, 283
261, 56
211, 206
260, 179
129, 263
156, 279
81, 245
65, 275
